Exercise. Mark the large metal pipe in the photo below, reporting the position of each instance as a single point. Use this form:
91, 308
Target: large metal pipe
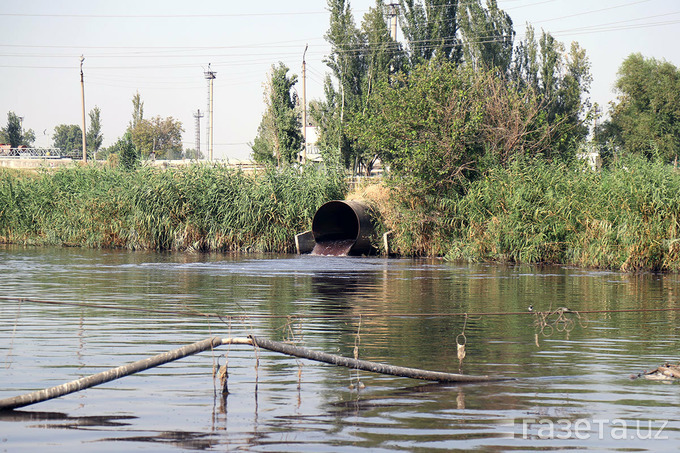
342, 228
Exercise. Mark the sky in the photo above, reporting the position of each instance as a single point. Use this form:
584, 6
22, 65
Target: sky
162, 50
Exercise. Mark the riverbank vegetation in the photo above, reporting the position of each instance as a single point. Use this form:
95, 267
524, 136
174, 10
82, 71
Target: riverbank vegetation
482, 141
624, 217
198, 207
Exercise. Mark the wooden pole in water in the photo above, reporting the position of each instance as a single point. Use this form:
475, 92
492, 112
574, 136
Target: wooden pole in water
212, 343
364, 365
110, 375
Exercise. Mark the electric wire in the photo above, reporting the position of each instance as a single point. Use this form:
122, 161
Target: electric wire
389, 47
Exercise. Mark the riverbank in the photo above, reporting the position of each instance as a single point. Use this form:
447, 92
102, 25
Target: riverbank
195, 207
624, 217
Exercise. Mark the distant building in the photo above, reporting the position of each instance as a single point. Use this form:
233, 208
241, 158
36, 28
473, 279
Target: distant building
313, 153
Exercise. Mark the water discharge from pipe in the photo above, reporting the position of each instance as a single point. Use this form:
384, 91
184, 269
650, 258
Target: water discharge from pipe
333, 248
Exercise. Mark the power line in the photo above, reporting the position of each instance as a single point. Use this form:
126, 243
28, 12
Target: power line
164, 16
591, 12
426, 44
148, 52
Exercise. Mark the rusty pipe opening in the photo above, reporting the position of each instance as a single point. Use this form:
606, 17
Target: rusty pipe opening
342, 228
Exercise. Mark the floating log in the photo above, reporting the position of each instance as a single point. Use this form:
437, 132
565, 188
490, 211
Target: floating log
214, 342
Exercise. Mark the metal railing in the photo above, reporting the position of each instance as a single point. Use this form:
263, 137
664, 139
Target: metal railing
30, 153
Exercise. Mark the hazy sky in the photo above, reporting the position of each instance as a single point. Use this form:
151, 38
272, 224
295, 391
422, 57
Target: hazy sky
162, 48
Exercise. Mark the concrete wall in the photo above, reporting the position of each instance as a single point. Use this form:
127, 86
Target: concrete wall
35, 162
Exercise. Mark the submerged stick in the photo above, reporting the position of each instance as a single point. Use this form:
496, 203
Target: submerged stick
212, 343
364, 365
110, 375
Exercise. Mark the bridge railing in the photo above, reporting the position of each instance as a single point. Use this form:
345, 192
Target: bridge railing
30, 153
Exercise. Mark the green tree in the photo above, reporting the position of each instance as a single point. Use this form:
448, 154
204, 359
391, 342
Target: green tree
359, 59
161, 136
128, 154
94, 132
488, 36
193, 154
69, 139
645, 119
444, 124
382, 57
279, 136
450, 34
345, 63
431, 28
137, 110
168, 137
325, 113
424, 126
562, 80
573, 103
13, 133
362, 57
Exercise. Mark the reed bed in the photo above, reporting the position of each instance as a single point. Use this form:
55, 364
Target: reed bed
624, 217
200, 207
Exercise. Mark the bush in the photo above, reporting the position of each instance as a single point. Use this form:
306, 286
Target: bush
442, 126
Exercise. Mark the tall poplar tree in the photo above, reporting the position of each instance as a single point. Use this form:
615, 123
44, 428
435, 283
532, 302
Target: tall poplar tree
431, 29
562, 81
94, 132
359, 59
279, 136
645, 119
487, 35
13, 134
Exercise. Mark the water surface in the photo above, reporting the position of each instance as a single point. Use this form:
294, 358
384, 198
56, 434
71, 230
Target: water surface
68, 313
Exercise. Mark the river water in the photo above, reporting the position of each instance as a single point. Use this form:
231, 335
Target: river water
68, 313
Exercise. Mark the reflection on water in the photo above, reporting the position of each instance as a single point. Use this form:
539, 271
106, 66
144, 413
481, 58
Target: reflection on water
68, 313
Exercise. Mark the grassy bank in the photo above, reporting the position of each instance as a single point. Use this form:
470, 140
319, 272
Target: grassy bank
196, 207
625, 217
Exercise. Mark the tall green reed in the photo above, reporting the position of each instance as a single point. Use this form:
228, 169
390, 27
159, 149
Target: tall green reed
203, 207
624, 217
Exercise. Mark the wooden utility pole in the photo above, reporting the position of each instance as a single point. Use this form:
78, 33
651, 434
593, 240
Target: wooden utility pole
82, 95
304, 106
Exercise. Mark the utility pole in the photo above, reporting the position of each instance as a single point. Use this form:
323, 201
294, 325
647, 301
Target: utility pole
393, 20
304, 106
210, 76
198, 115
82, 95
